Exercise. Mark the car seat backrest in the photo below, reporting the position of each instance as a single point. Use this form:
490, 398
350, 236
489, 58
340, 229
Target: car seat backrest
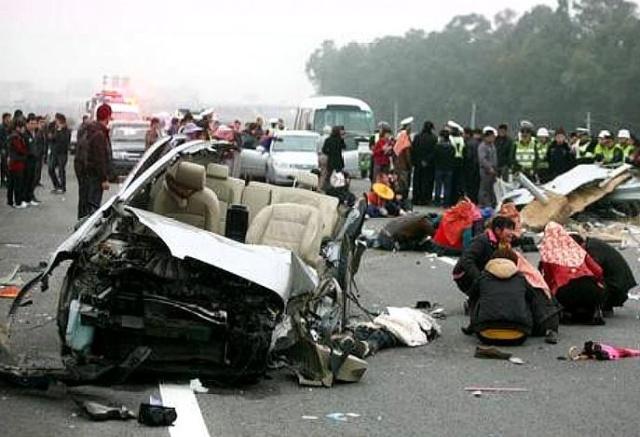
256, 196
290, 226
327, 205
228, 190
184, 197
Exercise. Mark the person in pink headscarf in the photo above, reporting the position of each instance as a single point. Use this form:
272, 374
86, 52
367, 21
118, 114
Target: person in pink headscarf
574, 278
402, 154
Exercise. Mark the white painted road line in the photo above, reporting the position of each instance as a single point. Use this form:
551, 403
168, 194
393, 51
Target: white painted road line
190, 422
447, 260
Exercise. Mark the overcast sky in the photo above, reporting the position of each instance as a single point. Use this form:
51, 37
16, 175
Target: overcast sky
229, 51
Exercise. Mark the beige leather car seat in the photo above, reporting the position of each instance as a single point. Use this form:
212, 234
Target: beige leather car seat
327, 205
294, 227
184, 197
256, 196
228, 190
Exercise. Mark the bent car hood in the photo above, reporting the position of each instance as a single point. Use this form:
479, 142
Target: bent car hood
274, 268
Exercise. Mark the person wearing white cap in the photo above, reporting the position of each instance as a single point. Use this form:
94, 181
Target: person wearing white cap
542, 166
488, 163
625, 143
457, 141
402, 158
607, 151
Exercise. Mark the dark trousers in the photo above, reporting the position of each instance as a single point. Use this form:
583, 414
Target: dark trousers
39, 172
423, 184
472, 185
582, 298
89, 195
15, 188
30, 178
457, 185
57, 171
4, 168
443, 179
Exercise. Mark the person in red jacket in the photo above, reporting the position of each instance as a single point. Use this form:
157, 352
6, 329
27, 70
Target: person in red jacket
576, 279
382, 152
17, 164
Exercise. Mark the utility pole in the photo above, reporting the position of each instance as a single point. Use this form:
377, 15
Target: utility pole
589, 121
473, 115
395, 116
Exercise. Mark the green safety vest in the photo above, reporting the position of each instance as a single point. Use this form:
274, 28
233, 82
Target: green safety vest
583, 150
526, 154
628, 150
458, 146
541, 162
607, 153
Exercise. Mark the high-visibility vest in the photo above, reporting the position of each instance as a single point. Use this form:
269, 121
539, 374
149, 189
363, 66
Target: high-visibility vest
526, 154
608, 153
458, 146
541, 162
583, 150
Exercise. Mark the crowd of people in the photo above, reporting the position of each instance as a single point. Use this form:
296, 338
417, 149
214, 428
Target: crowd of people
27, 144
459, 162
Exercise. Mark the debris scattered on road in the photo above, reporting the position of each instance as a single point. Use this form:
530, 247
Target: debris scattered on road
156, 415
197, 387
482, 390
593, 350
99, 412
11, 278
310, 417
342, 417
9, 292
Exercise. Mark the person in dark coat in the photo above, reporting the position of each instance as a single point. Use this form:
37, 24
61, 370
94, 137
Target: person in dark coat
444, 157
333, 147
59, 155
17, 157
470, 164
92, 163
477, 255
501, 299
409, 232
559, 155
505, 150
5, 130
31, 164
618, 277
423, 168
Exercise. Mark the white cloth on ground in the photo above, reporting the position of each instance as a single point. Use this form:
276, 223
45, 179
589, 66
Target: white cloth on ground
410, 326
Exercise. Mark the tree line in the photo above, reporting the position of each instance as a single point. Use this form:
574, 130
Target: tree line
551, 66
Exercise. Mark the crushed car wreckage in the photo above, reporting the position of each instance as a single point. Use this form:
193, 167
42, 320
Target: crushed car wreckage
168, 278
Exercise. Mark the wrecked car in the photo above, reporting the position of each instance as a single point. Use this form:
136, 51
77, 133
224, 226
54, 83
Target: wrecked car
188, 271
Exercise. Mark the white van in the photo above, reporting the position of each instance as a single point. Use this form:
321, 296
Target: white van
315, 113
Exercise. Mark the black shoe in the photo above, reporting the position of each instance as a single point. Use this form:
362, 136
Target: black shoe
551, 337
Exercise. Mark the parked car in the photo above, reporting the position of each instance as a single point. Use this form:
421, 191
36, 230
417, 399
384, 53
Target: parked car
290, 153
127, 145
155, 285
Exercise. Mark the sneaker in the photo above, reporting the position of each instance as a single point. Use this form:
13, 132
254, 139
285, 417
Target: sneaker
551, 337
34, 203
21, 206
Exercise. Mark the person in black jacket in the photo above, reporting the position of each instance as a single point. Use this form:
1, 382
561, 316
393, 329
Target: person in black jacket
470, 164
559, 155
618, 277
504, 309
505, 151
59, 155
422, 154
30, 173
5, 130
444, 157
477, 255
333, 147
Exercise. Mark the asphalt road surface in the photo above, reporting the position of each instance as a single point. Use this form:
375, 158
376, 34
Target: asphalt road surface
405, 391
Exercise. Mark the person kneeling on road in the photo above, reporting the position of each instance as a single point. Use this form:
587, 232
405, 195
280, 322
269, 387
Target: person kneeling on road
474, 258
618, 277
505, 309
574, 278
410, 232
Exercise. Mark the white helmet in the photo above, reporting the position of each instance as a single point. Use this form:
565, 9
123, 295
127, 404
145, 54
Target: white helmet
604, 134
543, 132
489, 129
624, 133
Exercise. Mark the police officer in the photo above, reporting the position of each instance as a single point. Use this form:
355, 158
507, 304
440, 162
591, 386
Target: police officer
607, 151
542, 145
585, 146
625, 143
457, 141
525, 153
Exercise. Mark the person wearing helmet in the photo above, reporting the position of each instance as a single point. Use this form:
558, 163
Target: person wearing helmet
624, 142
541, 164
584, 146
607, 151
525, 150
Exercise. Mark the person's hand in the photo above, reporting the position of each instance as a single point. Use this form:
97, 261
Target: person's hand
105, 186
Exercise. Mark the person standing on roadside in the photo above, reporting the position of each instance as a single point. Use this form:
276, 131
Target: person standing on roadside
31, 163
92, 163
59, 155
488, 162
16, 165
42, 148
5, 130
505, 150
153, 134
423, 168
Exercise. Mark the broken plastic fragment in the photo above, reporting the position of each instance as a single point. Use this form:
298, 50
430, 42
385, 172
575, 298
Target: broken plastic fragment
100, 412
197, 387
338, 417
310, 417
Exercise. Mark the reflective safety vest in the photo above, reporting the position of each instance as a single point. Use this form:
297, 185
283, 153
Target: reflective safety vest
583, 150
607, 153
458, 146
541, 161
627, 150
526, 154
